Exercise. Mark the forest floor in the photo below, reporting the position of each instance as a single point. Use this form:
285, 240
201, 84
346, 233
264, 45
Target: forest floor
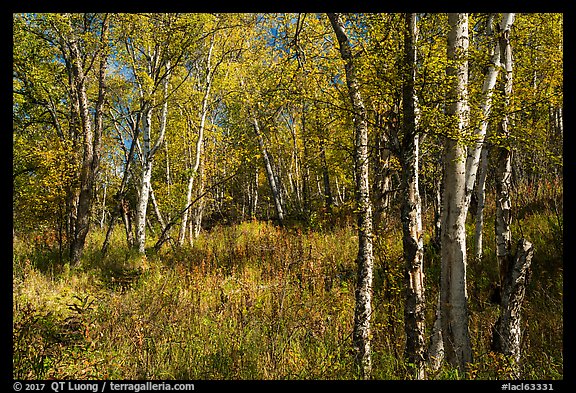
254, 301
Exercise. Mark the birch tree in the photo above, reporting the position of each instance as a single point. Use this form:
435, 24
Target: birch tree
148, 150
504, 166
270, 175
365, 258
478, 153
152, 56
209, 75
413, 241
453, 293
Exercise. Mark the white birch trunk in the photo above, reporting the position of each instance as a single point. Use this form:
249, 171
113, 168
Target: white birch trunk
361, 336
148, 157
481, 196
199, 142
146, 175
413, 240
436, 349
487, 90
157, 209
504, 165
269, 173
453, 294
196, 224
103, 218
507, 332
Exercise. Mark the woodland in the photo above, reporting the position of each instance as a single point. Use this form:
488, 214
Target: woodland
206, 196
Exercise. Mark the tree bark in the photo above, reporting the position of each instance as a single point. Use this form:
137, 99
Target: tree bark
474, 151
199, 142
145, 178
253, 194
481, 197
196, 222
156, 208
435, 353
382, 181
270, 173
506, 333
365, 260
92, 136
328, 198
413, 241
453, 294
148, 158
120, 197
504, 163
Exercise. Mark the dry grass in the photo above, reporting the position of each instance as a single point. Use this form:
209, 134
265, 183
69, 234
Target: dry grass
252, 301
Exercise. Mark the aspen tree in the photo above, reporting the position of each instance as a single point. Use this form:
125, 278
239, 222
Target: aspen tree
365, 259
453, 293
413, 242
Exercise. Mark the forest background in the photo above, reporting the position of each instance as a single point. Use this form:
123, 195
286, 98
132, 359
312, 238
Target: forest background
191, 193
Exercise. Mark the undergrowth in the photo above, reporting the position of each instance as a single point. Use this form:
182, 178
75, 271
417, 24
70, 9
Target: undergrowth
254, 301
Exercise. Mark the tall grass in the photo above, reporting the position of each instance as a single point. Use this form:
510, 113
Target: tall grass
254, 301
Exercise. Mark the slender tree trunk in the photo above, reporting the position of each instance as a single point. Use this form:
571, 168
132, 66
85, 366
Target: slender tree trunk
270, 173
103, 217
156, 209
474, 151
121, 203
453, 294
145, 178
481, 197
413, 240
365, 260
328, 199
148, 154
126, 215
382, 181
199, 142
436, 241
306, 193
196, 224
504, 165
253, 194
92, 135
294, 175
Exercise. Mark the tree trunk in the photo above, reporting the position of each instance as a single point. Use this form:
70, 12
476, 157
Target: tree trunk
435, 353
506, 333
156, 209
121, 203
413, 240
504, 165
437, 241
148, 159
328, 198
474, 152
103, 217
382, 183
253, 194
270, 173
142, 203
199, 142
365, 260
92, 136
481, 197
196, 224
453, 294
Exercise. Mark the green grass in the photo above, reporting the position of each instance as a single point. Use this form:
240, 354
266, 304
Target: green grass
253, 301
